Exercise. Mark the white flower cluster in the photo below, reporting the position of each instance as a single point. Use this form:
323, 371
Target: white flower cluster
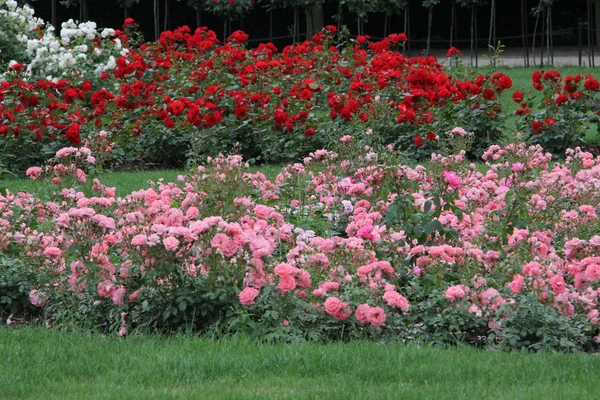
80, 52
16, 27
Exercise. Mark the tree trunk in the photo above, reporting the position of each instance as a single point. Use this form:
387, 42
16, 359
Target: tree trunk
385, 25
166, 18
430, 21
295, 24
492, 33
597, 21
198, 17
125, 12
590, 40
308, 17
407, 27
549, 35
537, 19
476, 42
339, 17
314, 20
543, 34
472, 33
84, 11
453, 16
524, 33
156, 20
271, 25
54, 20
318, 17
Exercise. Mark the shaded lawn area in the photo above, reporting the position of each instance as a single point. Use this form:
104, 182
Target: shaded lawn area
39, 363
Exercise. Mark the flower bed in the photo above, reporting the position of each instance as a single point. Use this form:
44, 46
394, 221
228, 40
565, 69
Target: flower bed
337, 247
189, 95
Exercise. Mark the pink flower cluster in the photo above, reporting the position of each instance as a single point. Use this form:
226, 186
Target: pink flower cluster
130, 248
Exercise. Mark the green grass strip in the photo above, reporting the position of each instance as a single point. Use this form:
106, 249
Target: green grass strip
38, 363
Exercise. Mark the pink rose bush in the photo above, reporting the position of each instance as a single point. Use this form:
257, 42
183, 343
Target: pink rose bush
331, 248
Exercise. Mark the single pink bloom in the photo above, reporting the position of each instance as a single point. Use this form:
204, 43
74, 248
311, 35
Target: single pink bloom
248, 295
558, 284
377, 316
171, 243
362, 313
52, 252
456, 292
117, 296
332, 305
517, 284
37, 298
106, 288
453, 180
287, 283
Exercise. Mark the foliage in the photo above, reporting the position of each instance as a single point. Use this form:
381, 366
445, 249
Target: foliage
391, 7
16, 280
362, 8
347, 245
560, 114
228, 9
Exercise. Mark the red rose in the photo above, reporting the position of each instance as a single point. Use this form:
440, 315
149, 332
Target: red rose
418, 141
176, 108
591, 83
452, 51
72, 134
517, 97
562, 98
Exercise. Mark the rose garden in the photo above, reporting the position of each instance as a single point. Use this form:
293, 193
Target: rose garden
332, 192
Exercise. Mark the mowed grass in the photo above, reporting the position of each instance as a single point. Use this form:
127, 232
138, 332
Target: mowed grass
39, 363
130, 181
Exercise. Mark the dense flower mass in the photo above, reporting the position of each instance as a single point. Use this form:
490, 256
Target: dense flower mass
190, 93
330, 248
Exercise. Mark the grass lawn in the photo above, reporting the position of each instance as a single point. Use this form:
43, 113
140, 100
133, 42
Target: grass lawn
127, 182
38, 363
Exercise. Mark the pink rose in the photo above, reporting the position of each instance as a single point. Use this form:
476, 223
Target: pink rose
517, 284
332, 305
106, 288
171, 243
453, 180
133, 296
558, 284
394, 298
377, 316
52, 252
248, 295
37, 298
287, 283
117, 296
34, 172
517, 167
366, 232
139, 240
362, 313
456, 292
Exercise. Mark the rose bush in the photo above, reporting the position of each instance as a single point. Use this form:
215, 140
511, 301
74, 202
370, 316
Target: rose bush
564, 111
332, 248
191, 95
